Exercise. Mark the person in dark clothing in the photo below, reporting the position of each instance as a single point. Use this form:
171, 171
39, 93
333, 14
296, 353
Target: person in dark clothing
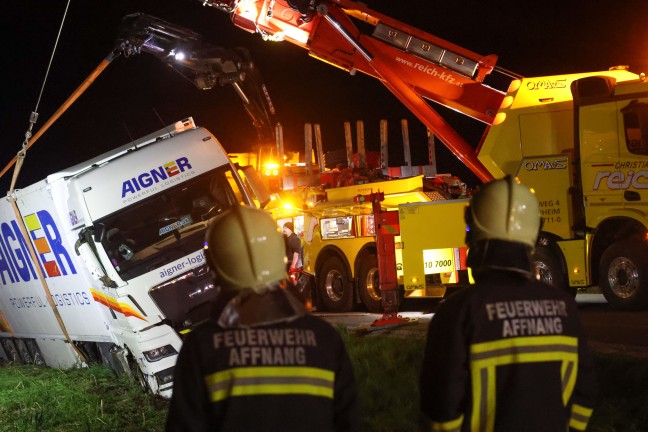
300, 286
508, 353
294, 250
262, 363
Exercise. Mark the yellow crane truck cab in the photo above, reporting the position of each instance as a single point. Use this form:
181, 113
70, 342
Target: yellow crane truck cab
581, 142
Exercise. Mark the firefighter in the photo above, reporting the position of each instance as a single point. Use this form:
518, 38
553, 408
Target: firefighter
508, 353
262, 363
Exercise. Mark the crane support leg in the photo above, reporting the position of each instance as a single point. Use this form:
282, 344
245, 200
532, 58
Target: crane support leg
386, 227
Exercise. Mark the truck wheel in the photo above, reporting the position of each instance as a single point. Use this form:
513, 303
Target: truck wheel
623, 275
137, 375
368, 284
11, 351
335, 291
35, 352
24, 352
548, 269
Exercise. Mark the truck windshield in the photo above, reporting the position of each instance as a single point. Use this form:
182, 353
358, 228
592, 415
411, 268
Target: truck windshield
168, 225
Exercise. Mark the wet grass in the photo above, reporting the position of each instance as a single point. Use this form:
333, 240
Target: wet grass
37, 398
387, 370
34, 398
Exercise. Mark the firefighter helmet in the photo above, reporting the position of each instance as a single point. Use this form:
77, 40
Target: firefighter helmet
503, 210
245, 249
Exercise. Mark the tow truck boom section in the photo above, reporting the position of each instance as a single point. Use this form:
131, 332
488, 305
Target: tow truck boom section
414, 65
204, 65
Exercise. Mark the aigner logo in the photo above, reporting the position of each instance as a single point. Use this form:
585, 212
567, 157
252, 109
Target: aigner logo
155, 175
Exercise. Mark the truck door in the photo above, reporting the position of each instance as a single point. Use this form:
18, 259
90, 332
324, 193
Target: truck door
633, 154
599, 149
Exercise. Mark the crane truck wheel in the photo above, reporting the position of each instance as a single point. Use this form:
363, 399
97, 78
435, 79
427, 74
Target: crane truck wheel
335, 293
368, 284
623, 275
548, 269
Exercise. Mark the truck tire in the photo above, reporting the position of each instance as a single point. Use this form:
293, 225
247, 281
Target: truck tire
335, 293
623, 275
11, 351
24, 352
548, 269
35, 352
368, 285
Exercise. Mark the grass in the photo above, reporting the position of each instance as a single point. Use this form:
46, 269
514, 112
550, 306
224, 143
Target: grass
37, 398
34, 398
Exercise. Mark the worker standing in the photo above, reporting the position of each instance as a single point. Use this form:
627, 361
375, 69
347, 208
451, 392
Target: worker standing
508, 353
294, 249
300, 286
262, 363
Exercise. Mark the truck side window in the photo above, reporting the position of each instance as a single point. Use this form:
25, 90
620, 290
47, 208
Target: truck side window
337, 227
635, 121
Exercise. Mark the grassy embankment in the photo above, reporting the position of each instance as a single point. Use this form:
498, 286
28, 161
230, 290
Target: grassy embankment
35, 398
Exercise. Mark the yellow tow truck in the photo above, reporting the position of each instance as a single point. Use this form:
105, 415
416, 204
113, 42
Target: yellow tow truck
340, 242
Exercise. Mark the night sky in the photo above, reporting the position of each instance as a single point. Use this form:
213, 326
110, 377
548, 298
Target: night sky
129, 98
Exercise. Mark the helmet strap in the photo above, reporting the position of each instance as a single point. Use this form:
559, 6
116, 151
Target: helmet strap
501, 255
250, 308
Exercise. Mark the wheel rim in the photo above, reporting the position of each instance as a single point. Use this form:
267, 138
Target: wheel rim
371, 284
623, 278
334, 285
543, 273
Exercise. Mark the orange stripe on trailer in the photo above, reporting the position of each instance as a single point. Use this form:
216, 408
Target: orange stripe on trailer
113, 304
4, 324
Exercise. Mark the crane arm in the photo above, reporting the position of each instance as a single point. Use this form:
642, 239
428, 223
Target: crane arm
414, 65
204, 65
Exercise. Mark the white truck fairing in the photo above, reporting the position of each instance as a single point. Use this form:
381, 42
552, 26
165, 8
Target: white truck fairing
119, 240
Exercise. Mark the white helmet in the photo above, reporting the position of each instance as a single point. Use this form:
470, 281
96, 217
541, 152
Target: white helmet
246, 250
505, 210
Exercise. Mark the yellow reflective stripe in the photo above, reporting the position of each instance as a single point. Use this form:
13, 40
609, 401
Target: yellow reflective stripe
568, 375
486, 356
483, 398
448, 426
488, 348
270, 380
580, 416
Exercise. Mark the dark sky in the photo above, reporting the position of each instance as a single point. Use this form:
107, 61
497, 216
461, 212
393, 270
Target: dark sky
539, 38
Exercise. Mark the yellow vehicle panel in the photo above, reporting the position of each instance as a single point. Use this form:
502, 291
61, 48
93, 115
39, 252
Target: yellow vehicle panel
431, 235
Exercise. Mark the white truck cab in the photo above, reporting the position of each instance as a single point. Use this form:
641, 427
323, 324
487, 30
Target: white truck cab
104, 261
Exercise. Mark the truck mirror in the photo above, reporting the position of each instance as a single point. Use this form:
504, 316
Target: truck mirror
253, 178
86, 249
99, 232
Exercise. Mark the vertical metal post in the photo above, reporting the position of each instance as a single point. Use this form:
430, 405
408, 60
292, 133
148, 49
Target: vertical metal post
308, 147
384, 147
432, 151
406, 147
279, 143
362, 158
349, 144
318, 147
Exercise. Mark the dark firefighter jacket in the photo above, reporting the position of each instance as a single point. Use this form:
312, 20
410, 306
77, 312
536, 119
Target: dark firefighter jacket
287, 376
507, 354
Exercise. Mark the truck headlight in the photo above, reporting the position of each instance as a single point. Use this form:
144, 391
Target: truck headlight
159, 353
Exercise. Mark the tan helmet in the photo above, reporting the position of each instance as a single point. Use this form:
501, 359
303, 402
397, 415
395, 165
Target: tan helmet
245, 249
503, 210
